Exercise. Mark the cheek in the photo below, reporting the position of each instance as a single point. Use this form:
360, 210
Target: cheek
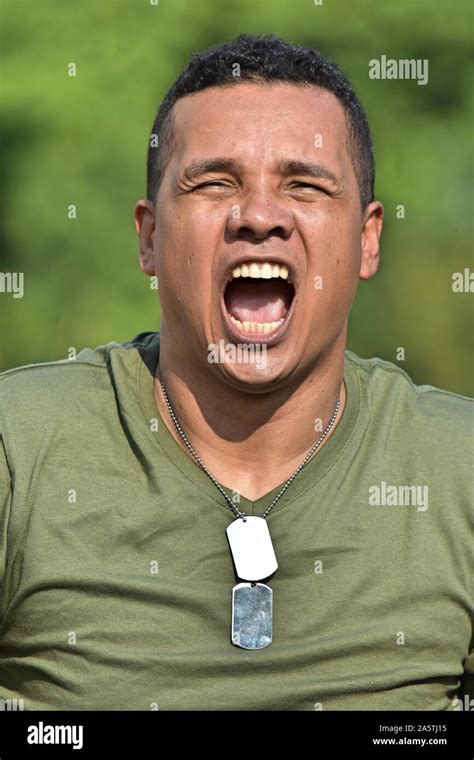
189, 236
183, 251
333, 248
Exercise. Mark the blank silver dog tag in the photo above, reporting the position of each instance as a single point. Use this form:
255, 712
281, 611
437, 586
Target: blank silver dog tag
252, 548
252, 610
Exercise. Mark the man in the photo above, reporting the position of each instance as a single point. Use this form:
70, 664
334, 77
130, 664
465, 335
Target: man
121, 588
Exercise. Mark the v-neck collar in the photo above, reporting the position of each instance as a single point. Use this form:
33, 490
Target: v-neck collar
141, 377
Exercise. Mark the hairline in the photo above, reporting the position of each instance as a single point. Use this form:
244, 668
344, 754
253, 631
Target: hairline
168, 143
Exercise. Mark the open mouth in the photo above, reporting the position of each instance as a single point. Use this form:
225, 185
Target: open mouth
258, 298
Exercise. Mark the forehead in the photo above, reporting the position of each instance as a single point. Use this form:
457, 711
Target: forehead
251, 120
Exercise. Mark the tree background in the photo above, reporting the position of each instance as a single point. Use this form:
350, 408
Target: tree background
82, 140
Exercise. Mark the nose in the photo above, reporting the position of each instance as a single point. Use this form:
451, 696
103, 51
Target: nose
259, 216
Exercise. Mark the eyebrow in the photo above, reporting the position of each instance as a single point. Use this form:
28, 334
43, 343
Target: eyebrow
221, 164
209, 165
309, 169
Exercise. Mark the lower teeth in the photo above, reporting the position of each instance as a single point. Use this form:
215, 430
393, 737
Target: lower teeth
256, 327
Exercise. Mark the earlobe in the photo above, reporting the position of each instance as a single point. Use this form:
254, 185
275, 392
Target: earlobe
147, 264
368, 265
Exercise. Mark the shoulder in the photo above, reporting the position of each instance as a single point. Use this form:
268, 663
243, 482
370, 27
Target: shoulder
46, 383
47, 393
417, 434
421, 429
390, 391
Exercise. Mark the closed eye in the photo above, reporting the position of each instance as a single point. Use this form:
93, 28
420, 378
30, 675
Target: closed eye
221, 183
212, 182
308, 184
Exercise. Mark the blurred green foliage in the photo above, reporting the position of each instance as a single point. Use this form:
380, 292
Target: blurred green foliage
82, 140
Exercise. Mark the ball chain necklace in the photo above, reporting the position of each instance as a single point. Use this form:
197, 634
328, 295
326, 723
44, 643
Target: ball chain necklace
253, 554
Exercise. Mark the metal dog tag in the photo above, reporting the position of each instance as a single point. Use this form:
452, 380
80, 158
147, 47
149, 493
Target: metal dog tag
252, 548
252, 611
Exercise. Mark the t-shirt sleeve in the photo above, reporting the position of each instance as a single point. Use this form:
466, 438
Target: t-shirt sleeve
5, 504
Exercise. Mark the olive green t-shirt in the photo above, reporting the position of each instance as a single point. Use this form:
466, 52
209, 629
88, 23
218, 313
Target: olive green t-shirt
116, 575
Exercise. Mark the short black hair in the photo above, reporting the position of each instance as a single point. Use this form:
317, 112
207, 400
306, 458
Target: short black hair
263, 59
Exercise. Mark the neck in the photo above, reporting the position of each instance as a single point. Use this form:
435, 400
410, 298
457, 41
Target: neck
250, 442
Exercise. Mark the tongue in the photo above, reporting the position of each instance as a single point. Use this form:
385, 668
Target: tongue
258, 300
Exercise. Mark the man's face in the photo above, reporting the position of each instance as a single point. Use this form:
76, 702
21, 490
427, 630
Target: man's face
259, 211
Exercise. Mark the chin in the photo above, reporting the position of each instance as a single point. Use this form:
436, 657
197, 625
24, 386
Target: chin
261, 375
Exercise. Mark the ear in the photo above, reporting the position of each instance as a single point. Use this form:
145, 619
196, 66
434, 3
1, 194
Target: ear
372, 224
145, 227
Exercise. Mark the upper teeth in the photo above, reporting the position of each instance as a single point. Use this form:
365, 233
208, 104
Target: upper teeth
261, 269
